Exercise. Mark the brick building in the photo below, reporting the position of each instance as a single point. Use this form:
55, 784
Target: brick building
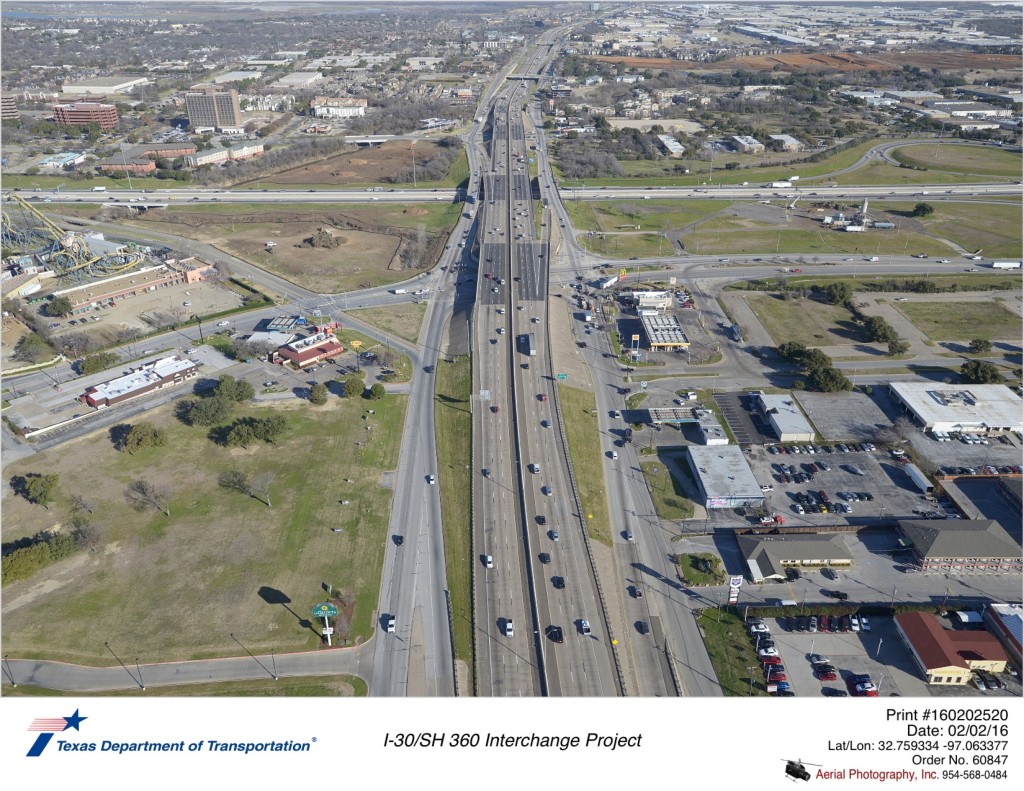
85, 113
157, 375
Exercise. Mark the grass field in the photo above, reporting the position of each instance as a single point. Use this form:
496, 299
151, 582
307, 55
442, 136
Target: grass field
813, 242
732, 653
454, 456
670, 500
173, 588
882, 173
579, 411
619, 245
403, 320
979, 281
401, 364
962, 321
804, 320
299, 687
994, 228
976, 160
653, 215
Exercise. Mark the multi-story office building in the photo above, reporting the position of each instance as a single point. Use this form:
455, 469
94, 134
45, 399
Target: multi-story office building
85, 113
211, 107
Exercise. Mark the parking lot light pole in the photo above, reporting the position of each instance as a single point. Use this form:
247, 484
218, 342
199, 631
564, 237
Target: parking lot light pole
892, 601
750, 686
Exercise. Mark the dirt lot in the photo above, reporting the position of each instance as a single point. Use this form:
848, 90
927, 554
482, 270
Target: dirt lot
837, 61
364, 165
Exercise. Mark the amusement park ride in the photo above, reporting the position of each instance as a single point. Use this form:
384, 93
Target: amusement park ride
28, 230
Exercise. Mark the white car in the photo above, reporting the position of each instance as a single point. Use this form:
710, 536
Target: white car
191, 351
223, 323
431, 479
488, 562
865, 625
391, 625
615, 455
767, 652
855, 623
509, 630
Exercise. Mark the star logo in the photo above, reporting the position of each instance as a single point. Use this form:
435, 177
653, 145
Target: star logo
47, 726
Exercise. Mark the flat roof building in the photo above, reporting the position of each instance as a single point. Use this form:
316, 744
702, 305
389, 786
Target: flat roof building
971, 409
211, 107
664, 332
767, 557
652, 300
724, 477
299, 79
156, 375
747, 144
309, 350
85, 113
1006, 621
118, 83
673, 147
785, 418
789, 143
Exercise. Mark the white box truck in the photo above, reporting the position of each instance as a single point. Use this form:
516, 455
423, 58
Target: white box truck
1006, 264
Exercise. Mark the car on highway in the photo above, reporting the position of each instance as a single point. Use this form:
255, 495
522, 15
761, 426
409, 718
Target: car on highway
223, 323
555, 634
544, 557
534, 468
637, 592
547, 491
613, 454
545, 424
584, 626
508, 628
488, 562
554, 535
431, 479
390, 624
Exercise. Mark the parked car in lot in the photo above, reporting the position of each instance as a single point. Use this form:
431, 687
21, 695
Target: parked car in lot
865, 625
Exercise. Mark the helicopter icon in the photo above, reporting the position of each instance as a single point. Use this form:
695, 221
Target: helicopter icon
795, 770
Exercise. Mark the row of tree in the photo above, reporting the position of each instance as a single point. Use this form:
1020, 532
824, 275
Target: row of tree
822, 376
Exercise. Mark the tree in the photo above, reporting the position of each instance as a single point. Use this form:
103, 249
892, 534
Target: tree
79, 503
318, 394
354, 387
879, 330
261, 487
923, 210
241, 434
85, 533
270, 428
377, 392
97, 362
144, 435
828, 380
37, 489
33, 348
838, 293
234, 389
78, 344
59, 306
979, 372
205, 411
898, 347
143, 494
980, 346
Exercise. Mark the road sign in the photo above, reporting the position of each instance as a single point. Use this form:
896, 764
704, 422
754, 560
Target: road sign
643, 385
561, 377
735, 582
324, 610
636, 338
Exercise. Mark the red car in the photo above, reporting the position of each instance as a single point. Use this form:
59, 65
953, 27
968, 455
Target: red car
826, 675
774, 677
772, 660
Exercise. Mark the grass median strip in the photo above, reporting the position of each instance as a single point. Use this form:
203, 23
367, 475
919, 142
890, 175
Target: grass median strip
303, 687
454, 424
579, 411
732, 653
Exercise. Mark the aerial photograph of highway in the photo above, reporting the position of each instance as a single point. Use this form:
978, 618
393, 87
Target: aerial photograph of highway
520, 350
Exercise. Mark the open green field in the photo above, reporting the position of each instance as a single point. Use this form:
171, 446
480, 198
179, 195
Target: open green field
298, 687
620, 245
403, 320
454, 429
400, 364
670, 500
995, 228
804, 320
174, 588
579, 411
652, 215
26, 183
732, 653
975, 160
962, 321
879, 173
979, 281
821, 242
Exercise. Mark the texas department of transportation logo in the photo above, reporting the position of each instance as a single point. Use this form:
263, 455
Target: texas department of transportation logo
47, 726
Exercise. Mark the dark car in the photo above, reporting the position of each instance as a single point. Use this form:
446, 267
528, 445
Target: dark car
792, 574
637, 592
832, 692
844, 623
801, 624
860, 678
833, 624
541, 519
786, 624
555, 634
544, 557
842, 596
399, 540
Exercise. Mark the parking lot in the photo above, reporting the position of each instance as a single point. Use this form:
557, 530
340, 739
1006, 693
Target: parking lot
890, 493
843, 416
878, 653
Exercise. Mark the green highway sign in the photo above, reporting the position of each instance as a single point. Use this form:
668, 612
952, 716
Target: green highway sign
324, 610
561, 377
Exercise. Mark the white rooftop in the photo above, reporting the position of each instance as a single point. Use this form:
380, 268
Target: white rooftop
154, 372
724, 471
785, 414
967, 405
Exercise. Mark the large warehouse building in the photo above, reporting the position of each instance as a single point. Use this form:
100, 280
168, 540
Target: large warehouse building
970, 409
152, 376
724, 477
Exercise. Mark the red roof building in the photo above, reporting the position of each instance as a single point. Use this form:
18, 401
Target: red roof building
947, 656
309, 350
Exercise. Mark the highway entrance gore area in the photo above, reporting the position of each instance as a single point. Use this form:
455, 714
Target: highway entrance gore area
594, 351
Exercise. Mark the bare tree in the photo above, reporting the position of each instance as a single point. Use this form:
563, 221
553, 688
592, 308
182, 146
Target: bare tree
261, 487
79, 503
143, 494
86, 534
